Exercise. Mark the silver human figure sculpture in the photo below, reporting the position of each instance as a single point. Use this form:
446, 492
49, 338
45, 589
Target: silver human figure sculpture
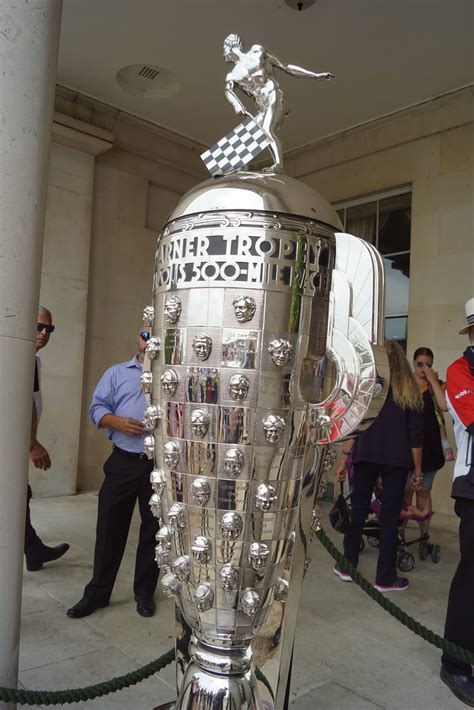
254, 75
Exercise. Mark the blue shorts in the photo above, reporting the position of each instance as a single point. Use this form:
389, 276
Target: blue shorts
426, 484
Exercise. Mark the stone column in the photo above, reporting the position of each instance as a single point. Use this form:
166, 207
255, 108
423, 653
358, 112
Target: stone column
29, 39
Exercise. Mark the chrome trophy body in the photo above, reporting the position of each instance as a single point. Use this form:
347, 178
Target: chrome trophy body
266, 332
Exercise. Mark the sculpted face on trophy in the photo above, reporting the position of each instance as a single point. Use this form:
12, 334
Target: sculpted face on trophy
153, 347
148, 316
169, 382
233, 463
162, 555
149, 446
244, 308
229, 578
176, 519
249, 602
204, 597
171, 454
157, 480
201, 549
163, 537
200, 491
146, 379
258, 555
155, 505
202, 346
239, 387
152, 416
280, 351
274, 427
200, 422
264, 497
172, 309
281, 590
231, 526
170, 585
182, 568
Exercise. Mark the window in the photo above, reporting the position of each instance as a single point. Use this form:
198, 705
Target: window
384, 220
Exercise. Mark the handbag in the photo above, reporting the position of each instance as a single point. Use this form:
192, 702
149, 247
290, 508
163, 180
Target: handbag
340, 513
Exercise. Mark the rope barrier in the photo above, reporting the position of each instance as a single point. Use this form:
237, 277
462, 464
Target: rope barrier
453, 649
74, 695
90, 692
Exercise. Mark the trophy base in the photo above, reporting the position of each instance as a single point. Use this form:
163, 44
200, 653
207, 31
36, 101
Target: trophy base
218, 678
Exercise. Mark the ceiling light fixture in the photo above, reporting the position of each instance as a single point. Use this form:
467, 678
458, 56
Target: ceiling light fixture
147, 81
300, 4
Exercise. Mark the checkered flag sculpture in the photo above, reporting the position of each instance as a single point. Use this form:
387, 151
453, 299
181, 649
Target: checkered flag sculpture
236, 149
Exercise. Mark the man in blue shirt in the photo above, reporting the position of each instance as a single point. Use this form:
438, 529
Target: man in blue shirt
118, 404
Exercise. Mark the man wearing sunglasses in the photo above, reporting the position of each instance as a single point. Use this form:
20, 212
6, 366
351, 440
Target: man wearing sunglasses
36, 552
118, 405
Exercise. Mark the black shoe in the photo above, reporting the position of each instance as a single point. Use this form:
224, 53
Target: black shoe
461, 685
46, 554
146, 607
84, 607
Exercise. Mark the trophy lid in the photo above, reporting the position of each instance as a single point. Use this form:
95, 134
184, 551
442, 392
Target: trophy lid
252, 191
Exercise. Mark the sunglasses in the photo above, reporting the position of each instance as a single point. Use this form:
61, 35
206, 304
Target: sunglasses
423, 364
145, 335
45, 326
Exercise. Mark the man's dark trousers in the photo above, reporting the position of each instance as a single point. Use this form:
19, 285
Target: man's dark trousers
33, 543
127, 478
460, 614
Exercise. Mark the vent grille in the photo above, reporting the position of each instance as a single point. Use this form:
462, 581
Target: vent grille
148, 73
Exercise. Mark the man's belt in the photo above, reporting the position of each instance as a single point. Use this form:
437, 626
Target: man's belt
131, 454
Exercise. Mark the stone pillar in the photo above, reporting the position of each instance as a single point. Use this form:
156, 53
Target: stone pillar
29, 39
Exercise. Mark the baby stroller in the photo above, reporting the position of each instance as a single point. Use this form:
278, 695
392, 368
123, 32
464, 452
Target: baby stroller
405, 559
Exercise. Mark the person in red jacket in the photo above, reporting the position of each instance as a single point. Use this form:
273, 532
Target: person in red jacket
459, 626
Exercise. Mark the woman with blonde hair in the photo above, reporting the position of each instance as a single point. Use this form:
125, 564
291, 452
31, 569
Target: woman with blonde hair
391, 448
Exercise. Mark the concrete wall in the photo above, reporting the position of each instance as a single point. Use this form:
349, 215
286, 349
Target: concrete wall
431, 148
64, 290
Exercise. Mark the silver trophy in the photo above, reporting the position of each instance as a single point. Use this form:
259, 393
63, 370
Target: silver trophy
269, 325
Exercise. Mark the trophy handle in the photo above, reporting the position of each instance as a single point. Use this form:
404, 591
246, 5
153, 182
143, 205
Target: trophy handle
354, 371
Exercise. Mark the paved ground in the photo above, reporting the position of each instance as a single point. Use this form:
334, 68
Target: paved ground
350, 655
